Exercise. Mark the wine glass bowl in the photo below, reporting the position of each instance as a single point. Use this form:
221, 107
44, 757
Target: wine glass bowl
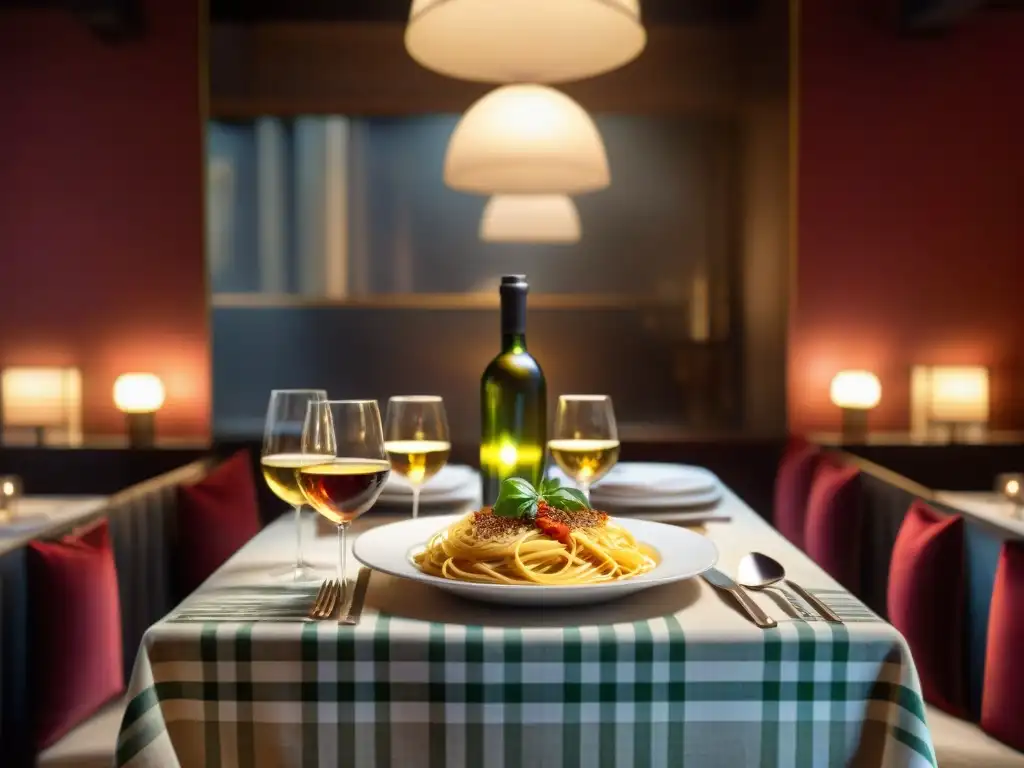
347, 439
416, 440
280, 458
585, 445
343, 489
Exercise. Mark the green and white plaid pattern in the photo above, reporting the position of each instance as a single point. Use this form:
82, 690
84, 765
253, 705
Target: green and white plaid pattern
665, 691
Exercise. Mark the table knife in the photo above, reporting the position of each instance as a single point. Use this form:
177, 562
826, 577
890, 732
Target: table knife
719, 580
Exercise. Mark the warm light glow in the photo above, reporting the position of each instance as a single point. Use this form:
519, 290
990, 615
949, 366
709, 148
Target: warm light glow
527, 140
856, 389
1012, 488
958, 394
8, 488
530, 219
539, 41
138, 393
42, 397
508, 455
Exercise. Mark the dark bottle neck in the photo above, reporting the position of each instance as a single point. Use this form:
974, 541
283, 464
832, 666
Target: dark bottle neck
513, 317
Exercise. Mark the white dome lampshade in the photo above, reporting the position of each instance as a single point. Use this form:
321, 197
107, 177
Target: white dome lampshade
530, 219
538, 41
526, 140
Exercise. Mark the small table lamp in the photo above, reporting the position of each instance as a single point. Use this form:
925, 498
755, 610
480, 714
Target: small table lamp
1011, 485
139, 396
43, 402
856, 393
958, 398
10, 492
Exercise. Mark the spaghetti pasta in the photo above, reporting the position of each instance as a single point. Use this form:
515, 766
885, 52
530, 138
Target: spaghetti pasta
556, 548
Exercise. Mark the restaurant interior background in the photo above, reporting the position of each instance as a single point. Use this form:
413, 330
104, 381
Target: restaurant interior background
240, 195
803, 240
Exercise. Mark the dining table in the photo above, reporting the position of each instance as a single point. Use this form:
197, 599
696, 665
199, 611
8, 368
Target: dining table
37, 517
673, 675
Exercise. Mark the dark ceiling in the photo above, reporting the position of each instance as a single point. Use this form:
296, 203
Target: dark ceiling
654, 11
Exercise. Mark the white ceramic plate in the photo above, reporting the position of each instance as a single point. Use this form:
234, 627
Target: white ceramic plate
632, 478
453, 478
619, 506
684, 554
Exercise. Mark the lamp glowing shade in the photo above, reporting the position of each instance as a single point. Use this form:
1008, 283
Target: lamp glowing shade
42, 397
959, 394
530, 219
859, 390
138, 393
528, 140
540, 41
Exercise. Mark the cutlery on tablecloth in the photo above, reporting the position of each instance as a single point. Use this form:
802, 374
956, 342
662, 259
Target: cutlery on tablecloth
246, 604
758, 571
326, 598
719, 580
354, 612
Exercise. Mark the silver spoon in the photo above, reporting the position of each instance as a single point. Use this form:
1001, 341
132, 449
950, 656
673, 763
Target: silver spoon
758, 571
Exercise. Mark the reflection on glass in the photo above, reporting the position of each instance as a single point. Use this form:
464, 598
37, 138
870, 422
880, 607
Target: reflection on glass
586, 441
281, 458
416, 440
347, 438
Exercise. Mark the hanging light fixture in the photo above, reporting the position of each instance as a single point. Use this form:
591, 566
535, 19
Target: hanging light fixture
541, 41
530, 219
528, 140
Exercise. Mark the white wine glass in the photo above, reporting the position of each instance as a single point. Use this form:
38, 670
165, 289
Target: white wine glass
586, 441
347, 483
416, 440
280, 459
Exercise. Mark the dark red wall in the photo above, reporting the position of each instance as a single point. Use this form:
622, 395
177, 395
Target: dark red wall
101, 226
911, 209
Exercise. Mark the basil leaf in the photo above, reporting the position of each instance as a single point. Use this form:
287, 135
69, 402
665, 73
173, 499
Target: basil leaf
528, 509
567, 500
514, 493
519, 486
549, 485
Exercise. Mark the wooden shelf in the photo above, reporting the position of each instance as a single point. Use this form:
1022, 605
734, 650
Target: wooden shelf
450, 301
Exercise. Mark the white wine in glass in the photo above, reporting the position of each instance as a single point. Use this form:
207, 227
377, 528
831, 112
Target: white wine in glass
585, 445
416, 440
281, 458
348, 438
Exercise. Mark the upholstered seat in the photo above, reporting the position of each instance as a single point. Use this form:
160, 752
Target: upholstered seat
90, 744
962, 744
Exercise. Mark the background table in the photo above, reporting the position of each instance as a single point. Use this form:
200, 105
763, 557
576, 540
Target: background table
39, 515
675, 675
986, 507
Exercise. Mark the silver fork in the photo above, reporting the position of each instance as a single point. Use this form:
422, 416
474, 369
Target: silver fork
326, 598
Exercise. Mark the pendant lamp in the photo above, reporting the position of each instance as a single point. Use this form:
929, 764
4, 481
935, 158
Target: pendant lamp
540, 41
530, 219
528, 140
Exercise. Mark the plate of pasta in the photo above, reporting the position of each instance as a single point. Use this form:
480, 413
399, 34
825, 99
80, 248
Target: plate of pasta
542, 546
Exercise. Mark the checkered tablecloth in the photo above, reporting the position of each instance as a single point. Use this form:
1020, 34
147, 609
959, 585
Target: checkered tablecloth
674, 676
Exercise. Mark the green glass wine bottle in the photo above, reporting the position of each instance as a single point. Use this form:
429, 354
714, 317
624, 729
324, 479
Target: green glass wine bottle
513, 401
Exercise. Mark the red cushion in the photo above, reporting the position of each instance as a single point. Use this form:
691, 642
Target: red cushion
77, 658
926, 602
216, 516
792, 487
832, 525
1002, 697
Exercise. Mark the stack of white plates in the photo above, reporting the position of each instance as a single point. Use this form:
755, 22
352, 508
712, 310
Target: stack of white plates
454, 486
638, 487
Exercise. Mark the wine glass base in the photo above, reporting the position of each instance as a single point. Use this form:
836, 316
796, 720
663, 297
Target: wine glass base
301, 572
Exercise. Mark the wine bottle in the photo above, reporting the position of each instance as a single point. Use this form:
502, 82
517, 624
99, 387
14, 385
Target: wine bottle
513, 401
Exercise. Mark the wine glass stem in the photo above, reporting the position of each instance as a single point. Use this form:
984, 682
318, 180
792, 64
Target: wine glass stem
415, 501
341, 558
298, 535
585, 490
